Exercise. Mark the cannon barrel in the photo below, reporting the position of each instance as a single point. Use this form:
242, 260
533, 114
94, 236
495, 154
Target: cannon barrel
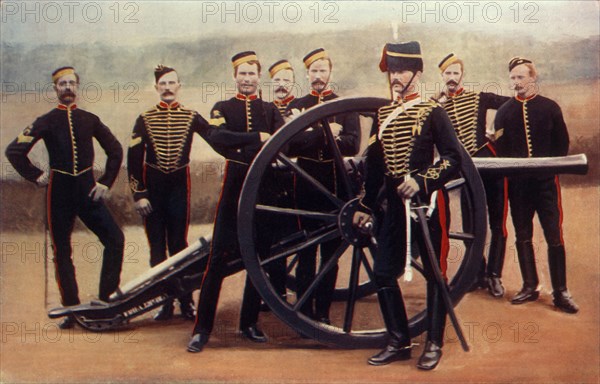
513, 166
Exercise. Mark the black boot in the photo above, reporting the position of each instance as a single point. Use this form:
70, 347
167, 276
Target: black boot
68, 322
396, 322
480, 279
436, 315
186, 306
430, 357
197, 342
558, 274
529, 290
165, 312
495, 264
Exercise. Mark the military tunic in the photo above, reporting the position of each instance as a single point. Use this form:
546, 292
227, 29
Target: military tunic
534, 127
68, 134
406, 147
283, 104
467, 111
158, 164
235, 133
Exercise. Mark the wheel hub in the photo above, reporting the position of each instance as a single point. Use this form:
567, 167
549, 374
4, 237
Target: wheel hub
349, 232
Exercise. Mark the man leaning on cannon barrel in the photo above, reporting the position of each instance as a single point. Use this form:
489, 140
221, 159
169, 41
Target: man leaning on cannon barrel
534, 127
159, 175
68, 133
467, 111
401, 157
239, 128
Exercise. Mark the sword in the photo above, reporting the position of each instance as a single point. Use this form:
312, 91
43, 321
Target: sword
437, 273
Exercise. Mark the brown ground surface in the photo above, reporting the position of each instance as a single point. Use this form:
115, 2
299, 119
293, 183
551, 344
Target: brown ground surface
532, 343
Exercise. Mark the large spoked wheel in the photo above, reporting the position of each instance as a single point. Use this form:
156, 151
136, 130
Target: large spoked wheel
355, 321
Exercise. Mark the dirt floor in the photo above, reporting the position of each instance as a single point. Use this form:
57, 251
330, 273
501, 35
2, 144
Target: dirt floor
532, 343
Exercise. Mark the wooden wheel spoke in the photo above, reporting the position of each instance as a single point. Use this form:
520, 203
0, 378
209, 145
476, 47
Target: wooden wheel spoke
466, 236
328, 217
320, 275
338, 159
328, 233
357, 256
311, 180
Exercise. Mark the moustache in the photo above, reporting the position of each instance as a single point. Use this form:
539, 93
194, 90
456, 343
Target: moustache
168, 93
452, 82
280, 89
396, 82
317, 82
68, 93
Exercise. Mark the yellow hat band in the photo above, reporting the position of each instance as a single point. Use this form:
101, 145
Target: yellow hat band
315, 57
64, 72
409, 55
451, 60
244, 59
279, 67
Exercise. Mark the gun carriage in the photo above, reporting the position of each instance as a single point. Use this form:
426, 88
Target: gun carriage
183, 272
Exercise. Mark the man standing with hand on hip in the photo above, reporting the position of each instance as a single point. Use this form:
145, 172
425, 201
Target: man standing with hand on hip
68, 134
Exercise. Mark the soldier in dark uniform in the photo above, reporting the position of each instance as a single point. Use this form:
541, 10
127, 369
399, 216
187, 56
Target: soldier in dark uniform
401, 158
534, 127
281, 182
68, 134
240, 126
467, 111
282, 76
315, 156
159, 175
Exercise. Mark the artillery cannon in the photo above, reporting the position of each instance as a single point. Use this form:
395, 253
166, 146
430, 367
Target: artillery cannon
182, 272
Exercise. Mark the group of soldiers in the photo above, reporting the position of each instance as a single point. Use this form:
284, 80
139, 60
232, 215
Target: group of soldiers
414, 149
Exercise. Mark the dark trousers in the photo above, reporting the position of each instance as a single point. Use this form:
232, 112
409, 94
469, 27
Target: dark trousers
390, 259
225, 248
277, 189
167, 225
308, 198
496, 194
496, 189
529, 195
67, 199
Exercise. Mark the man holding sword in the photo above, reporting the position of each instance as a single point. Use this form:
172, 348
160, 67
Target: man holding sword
402, 158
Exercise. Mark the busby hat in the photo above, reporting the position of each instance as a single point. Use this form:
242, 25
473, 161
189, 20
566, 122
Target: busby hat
315, 55
161, 70
278, 66
243, 57
401, 56
62, 71
448, 61
517, 61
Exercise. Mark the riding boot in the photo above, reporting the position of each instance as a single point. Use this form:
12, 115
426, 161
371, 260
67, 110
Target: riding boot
558, 274
495, 264
529, 290
436, 315
396, 322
